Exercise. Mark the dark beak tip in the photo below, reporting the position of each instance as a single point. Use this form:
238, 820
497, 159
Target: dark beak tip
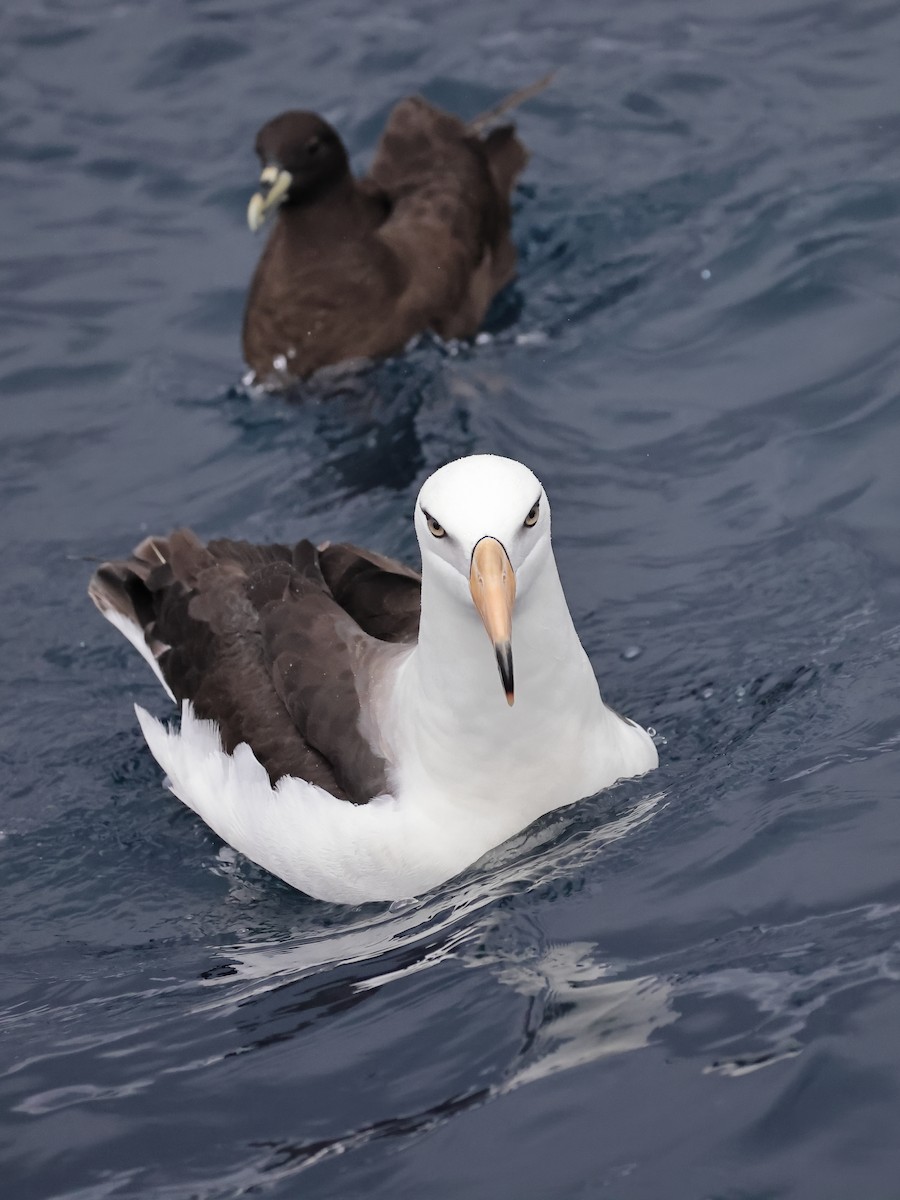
505, 664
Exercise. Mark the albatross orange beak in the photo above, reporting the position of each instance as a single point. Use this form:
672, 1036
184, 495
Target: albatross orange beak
492, 582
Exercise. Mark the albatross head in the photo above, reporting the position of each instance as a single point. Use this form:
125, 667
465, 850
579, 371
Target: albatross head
300, 155
483, 525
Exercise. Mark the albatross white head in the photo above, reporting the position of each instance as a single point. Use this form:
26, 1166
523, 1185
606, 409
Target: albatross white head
483, 525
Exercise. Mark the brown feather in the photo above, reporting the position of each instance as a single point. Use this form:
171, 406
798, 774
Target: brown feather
277, 644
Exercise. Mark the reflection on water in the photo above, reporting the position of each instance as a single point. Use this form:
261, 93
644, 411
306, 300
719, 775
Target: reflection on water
437, 926
586, 1015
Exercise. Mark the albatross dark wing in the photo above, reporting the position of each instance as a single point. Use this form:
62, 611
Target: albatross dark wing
255, 637
381, 595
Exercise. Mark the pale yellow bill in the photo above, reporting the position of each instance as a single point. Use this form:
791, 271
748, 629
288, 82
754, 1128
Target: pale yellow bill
492, 582
276, 183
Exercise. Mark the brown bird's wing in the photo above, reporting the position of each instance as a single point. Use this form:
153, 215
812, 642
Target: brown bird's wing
450, 218
277, 644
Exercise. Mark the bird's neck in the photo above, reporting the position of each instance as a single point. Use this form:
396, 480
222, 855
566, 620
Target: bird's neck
455, 657
452, 707
331, 210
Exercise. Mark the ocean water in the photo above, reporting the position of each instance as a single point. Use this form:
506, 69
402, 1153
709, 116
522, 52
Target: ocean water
686, 988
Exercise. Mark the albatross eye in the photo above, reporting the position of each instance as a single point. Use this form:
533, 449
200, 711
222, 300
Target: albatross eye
533, 514
435, 529
312, 146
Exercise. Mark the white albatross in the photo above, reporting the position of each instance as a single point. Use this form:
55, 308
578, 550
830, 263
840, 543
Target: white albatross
343, 724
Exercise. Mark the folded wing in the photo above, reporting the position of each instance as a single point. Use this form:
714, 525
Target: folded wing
279, 645
449, 222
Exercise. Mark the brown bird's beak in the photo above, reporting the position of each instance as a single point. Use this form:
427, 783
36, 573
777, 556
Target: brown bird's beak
492, 582
274, 185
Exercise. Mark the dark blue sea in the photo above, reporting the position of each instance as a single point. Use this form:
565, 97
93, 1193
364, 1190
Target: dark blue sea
687, 988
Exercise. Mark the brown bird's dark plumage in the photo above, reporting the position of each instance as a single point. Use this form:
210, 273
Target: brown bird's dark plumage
271, 643
355, 268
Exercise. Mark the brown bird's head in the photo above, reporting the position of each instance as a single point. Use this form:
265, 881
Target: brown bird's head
301, 157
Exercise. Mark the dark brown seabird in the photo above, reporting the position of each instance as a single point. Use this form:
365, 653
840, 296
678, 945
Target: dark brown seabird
354, 268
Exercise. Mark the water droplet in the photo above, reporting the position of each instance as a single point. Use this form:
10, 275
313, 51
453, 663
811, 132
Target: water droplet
483, 339
706, 273
279, 362
740, 691
707, 692
631, 652
535, 337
